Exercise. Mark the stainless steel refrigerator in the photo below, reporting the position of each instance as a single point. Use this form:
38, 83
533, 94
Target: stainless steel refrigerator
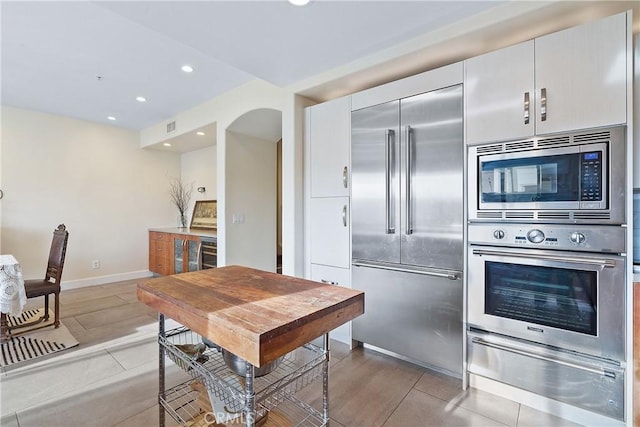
407, 211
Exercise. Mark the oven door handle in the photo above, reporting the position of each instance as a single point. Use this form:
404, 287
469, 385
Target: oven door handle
596, 370
563, 258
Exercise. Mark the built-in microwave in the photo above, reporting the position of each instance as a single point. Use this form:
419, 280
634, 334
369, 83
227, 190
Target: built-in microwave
577, 177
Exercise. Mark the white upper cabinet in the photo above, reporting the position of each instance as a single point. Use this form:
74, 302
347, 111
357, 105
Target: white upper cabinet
572, 79
329, 127
583, 71
497, 87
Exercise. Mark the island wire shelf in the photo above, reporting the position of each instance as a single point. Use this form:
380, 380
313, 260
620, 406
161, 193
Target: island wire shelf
296, 370
182, 404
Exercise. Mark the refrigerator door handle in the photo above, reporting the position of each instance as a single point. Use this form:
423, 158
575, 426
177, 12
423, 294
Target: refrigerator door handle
409, 218
451, 275
388, 165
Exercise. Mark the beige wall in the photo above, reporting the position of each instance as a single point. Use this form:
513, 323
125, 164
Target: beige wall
224, 110
251, 193
93, 178
199, 169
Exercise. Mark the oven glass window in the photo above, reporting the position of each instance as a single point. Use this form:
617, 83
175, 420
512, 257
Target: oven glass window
556, 178
557, 297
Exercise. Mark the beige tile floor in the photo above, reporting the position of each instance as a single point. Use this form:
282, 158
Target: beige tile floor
111, 379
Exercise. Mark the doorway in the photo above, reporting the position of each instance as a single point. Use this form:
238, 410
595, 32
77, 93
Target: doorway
253, 196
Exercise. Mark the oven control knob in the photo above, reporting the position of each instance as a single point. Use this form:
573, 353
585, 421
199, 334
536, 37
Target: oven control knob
535, 236
577, 237
498, 234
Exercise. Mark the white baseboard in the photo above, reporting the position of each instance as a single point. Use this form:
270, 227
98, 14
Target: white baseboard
101, 280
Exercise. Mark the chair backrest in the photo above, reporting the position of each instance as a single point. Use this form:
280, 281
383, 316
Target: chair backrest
57, 254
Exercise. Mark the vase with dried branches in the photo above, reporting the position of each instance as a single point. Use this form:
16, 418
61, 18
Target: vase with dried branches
180, 194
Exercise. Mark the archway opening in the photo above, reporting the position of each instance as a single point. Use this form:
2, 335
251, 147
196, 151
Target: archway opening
253, 196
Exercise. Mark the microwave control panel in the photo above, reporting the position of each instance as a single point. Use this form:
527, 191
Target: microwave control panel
591, 177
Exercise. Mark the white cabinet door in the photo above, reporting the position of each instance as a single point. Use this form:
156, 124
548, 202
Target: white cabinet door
574, 79
496, 88
340, 277
330, 135
329, 231
583, 72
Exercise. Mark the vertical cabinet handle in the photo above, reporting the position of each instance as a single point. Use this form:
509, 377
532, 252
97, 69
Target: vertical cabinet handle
388, 166
345, 180
526, 108
344, 215
543, 104
409, 218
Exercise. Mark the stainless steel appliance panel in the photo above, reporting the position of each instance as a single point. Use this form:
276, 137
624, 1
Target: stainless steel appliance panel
565, 237
588, 383
598, 185
375, 191
432, 179
208, 252
607, 340
415, 315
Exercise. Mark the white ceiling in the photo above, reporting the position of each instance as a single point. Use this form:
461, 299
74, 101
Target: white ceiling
53, 52
89, 60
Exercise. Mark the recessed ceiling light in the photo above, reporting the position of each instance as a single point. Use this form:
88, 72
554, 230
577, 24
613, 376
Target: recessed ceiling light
141, 99
166, 144
110, 118
200, 133
298, 2
187, 68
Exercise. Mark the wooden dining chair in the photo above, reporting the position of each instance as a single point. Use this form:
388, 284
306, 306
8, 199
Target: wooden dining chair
51, 282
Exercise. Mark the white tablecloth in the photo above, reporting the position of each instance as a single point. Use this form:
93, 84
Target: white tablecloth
12, 293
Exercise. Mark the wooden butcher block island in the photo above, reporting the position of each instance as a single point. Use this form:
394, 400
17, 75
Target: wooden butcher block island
268, 320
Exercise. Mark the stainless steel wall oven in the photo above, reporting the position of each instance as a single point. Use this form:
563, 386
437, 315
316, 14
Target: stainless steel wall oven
563, 296
577, 178
546, 310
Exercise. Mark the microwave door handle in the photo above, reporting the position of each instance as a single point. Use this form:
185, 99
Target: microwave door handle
409, 148
526, 108
605, 263
388, 165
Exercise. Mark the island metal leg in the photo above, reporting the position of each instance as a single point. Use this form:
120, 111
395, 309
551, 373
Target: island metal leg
161, 382
325, 381
249, 396
4, 328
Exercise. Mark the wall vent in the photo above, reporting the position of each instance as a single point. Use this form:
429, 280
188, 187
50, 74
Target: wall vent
518, 215
556, 215
490, 214
488, 149
554, 142
171, 126
591, 215
520, 145
593, 137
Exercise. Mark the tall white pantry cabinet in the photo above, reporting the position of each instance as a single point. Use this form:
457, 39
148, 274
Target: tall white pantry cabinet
327, 207
571, 79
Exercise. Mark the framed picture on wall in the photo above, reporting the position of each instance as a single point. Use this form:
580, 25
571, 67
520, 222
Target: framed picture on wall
205, 215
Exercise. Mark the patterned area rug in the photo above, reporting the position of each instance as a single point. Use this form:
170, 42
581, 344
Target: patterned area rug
37, 343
